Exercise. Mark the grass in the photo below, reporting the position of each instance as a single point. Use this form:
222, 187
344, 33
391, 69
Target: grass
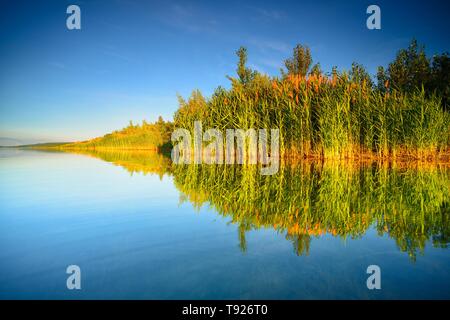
147, 136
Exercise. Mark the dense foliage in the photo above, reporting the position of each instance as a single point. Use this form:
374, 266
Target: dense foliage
147, 136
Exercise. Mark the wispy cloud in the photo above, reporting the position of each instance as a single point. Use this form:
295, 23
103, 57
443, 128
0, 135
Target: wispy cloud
270, 44
268, 14
188, 18
271, 63
114, 51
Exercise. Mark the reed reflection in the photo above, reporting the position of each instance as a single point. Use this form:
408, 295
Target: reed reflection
307, 200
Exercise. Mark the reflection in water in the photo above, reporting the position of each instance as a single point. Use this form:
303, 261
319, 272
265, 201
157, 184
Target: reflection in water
135, 161
410, 204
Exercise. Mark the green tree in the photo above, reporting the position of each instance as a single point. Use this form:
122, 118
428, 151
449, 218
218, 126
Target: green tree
245, 74
440, 77
382, 77
300, 62
410, 69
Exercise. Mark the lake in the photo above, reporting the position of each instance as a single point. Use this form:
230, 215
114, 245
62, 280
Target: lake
140, 227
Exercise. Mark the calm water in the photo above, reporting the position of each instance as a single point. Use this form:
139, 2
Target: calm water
142, 228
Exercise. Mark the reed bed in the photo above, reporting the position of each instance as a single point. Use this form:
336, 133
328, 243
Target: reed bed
330, 117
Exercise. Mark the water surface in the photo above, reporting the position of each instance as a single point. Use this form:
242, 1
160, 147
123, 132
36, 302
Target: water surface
140, 227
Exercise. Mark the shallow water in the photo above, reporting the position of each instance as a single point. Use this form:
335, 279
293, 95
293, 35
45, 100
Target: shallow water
140, 227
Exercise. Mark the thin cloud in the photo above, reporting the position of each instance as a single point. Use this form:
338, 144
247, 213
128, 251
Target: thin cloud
271, 63
188, 19
268, 14
270, 44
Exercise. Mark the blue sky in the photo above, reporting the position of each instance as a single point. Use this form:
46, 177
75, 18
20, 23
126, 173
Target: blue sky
131, 58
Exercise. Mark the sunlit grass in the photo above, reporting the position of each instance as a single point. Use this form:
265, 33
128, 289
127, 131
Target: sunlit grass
146, 136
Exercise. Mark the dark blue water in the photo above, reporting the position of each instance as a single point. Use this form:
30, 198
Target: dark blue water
133, 238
